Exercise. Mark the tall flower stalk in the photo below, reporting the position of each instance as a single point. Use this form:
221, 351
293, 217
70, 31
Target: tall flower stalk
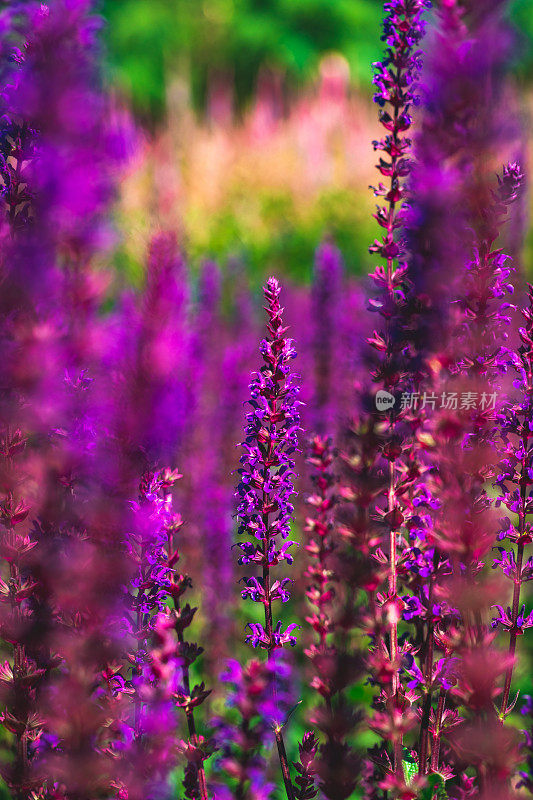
395, 79
515, 424
331, 590
165, 671
267, 485
319, 574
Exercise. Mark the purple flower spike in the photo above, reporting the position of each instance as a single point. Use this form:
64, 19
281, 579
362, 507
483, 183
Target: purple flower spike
267, 486
514, 434
267, 473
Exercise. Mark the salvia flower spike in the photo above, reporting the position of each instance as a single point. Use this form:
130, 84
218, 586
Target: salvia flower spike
267, 485
267, 474
513, 479
396, 80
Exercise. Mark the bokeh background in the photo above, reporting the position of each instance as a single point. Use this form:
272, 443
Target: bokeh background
257, 123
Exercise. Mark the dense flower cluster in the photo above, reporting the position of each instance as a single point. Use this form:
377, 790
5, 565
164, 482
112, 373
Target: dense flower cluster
396, 81
405, 679
267, 474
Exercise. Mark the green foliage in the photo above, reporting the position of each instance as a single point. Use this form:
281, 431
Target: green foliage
410, 767
521, 13
435, 790
270, 232
148, 40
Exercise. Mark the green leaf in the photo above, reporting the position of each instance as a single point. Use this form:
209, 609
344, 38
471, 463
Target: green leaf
410, 766
435, 790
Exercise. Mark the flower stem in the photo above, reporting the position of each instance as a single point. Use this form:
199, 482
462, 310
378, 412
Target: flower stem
21, 698
393, 634
517, 583
189, 710
284, 763
426, 710
435, 744
269, 628
513, 633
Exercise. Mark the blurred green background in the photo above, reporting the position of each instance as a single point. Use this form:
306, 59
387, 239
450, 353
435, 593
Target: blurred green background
257, 121
148, 39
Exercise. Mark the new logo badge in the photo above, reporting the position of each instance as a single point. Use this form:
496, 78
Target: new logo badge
384, 400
